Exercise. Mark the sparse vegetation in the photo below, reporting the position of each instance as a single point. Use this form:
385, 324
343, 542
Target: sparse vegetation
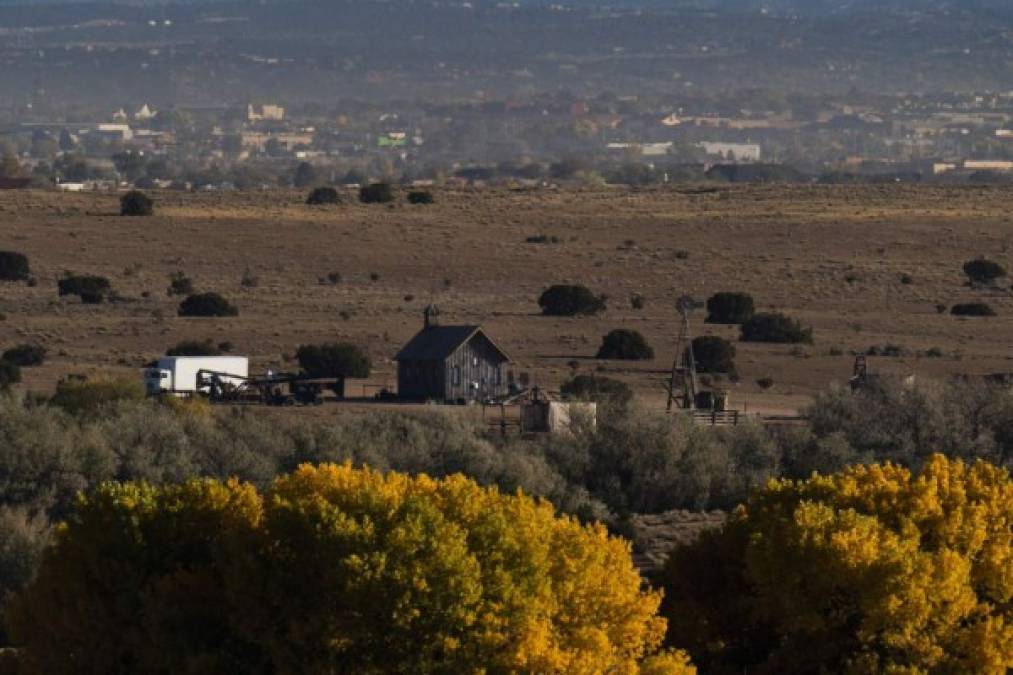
730, 308
542, 239
249, 280
775, 327
87, 396
25, 355
376, 193
598, 388
179, 284
323, 195
625, 344
10, 374
207, 304
136, 203
982, 271
972, 309
420, 197
889, 350
91, 289
570, 300
637, 301
194, 348
14, 266
334, 360
713, 354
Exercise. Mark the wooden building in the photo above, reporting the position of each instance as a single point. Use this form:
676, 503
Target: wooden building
452, 364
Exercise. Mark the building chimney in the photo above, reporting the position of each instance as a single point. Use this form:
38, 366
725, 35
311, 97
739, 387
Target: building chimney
432, 316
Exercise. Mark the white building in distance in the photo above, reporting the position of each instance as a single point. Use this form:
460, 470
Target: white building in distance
738, 152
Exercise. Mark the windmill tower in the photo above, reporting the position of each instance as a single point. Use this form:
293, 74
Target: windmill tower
682, 385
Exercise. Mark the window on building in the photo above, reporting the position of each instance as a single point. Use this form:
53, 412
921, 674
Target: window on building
456, 375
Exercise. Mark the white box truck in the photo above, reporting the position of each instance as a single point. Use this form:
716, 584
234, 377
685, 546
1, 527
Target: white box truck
178, 374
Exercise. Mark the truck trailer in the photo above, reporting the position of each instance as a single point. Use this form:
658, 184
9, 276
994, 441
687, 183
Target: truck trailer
177, 375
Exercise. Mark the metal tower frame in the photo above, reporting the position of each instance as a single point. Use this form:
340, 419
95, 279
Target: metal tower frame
682, 387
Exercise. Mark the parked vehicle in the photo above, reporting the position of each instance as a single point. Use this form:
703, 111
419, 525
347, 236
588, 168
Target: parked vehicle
177, 375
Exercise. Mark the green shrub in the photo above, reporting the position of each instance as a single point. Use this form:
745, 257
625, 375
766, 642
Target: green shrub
625, 344
567, 300
90, 288
982, 271
713, 354
972, 309
13, 266
420, 197
207, 304
333, 360
25, 355
305, 175
23, 537
194, 348
775, 327
179, 284
376, 193
10, 374
87, 395
323, 195
136, 203
730, 308
598, 388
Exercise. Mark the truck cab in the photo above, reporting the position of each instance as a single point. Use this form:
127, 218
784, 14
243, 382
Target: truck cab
157, 381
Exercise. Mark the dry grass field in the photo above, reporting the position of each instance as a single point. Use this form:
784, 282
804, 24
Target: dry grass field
831, 256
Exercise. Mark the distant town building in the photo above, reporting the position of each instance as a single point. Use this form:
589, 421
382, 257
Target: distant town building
987, 165
118, 131
738, 152
267, 112
144, 114
646, 149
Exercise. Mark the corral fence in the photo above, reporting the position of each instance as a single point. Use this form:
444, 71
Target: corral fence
731, 418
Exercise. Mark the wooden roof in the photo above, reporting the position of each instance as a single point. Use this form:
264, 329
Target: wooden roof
436, 343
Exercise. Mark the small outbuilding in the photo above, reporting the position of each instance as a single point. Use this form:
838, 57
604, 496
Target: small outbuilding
453, 364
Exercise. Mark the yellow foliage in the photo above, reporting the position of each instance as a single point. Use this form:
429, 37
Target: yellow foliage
336, 570
870, 570
195, 407
446, 575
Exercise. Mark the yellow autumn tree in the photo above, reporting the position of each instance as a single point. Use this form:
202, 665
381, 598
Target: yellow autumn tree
335, 570
133, 584
871, 570
383, 573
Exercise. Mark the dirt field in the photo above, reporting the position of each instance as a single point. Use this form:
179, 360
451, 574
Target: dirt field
831, 256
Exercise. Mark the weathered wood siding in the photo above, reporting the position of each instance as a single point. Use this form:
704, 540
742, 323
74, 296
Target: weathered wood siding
476, 362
